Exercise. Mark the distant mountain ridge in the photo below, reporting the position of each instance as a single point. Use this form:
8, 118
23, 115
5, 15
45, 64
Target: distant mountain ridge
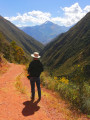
45, 32
69, 49
12, 33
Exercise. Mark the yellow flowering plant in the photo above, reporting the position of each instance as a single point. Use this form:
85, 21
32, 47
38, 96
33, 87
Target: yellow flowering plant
62, 80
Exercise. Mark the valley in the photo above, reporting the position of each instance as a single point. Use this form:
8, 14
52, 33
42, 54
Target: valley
65, 54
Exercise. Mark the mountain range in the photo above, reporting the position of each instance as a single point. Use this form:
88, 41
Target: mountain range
12, 33
45, 32
69, 49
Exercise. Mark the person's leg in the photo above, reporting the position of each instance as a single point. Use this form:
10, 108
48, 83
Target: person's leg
38, 87
32, 89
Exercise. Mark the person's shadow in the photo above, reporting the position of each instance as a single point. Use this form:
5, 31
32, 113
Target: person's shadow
30, 107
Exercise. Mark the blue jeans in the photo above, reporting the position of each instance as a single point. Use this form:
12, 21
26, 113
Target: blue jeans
36, 80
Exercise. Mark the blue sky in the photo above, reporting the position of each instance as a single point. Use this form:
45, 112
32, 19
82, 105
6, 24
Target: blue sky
35, 12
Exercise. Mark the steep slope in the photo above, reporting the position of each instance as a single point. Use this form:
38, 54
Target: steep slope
69, 49
12, 33
45, 32
11, 51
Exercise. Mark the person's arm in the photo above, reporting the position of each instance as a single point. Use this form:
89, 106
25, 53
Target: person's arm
42, 69
29, 68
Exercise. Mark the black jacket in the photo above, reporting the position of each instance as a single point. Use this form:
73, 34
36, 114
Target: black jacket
35, 68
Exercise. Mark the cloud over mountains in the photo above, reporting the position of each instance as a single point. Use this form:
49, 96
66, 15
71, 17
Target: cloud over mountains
71, 15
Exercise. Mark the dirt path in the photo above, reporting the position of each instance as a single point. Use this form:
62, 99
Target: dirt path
16, 104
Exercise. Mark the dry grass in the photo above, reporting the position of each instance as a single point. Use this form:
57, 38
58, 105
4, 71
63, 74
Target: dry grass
19, 86
3, 66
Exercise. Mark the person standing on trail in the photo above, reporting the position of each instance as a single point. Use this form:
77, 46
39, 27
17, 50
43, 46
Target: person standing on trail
34, 71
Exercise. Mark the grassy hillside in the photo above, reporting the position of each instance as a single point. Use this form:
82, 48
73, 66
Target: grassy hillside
12, 33
62, 55
11, 51
67, 58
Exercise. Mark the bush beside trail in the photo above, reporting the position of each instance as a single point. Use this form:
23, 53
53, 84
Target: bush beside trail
74, 88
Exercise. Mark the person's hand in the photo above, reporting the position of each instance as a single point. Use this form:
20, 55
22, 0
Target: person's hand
28, 76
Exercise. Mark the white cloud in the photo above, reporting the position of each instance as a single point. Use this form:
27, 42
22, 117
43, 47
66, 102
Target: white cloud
36, 17
87, 8
72, 15
73, 9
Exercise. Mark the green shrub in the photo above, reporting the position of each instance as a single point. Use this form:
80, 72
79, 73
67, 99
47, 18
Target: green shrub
86, 98
69, 90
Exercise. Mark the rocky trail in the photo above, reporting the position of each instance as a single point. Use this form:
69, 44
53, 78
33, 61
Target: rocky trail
15, 103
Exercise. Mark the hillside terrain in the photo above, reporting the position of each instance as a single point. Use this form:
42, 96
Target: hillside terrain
11, 51
69, 49
45, 32
12, 33
67, 62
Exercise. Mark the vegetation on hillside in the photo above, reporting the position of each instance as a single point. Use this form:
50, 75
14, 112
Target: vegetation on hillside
12, 33
67, 59
74, 88
68, 50
11, 51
